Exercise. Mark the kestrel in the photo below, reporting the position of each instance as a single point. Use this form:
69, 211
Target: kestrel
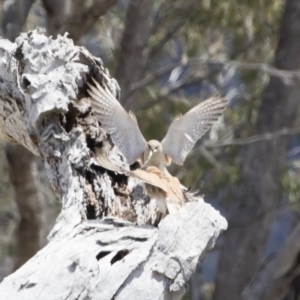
164, 188
181, 137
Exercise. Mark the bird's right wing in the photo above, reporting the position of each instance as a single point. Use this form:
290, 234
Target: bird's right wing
185, 130
122, 127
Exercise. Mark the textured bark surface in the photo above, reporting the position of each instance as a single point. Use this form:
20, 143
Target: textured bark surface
112, 259
262, 168
44, 106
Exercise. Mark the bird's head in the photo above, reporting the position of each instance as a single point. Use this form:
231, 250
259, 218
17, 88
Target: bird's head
153, 155
154, 146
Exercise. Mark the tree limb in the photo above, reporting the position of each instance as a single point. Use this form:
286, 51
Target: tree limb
288, 76
133, 55
33, 226
253, 139
75, 17
23, 177
14, 16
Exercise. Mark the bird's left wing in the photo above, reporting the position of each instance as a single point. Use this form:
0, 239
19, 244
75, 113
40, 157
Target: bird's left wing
185, 130
122, 126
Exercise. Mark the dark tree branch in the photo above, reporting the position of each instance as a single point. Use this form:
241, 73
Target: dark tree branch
133, 56
23, 177
78, 19
14, 16
287, 76
23, 164
185, 9
254, 139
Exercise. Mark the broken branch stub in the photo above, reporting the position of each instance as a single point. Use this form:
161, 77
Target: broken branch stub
97, 247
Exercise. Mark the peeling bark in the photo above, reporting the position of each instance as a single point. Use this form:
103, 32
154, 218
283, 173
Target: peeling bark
112, 259
92, 252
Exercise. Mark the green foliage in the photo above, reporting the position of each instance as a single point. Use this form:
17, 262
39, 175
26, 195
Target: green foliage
291, 185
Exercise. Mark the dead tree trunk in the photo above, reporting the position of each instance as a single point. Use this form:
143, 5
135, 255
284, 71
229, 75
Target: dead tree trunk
102, 245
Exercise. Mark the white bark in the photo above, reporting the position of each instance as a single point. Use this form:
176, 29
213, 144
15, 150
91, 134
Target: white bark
103, 245
157, 263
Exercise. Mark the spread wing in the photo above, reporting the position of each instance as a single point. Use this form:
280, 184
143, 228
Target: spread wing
122, 127
185, 130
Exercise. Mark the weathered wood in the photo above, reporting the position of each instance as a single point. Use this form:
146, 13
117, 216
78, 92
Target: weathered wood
104, 259
44, 106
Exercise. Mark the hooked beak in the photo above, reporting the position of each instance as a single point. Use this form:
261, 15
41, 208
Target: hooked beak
150, 152
153, 149
149, 157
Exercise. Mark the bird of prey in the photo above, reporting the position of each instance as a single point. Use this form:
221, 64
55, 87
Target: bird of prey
182, 134
154, 156
159, 185
164, 188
